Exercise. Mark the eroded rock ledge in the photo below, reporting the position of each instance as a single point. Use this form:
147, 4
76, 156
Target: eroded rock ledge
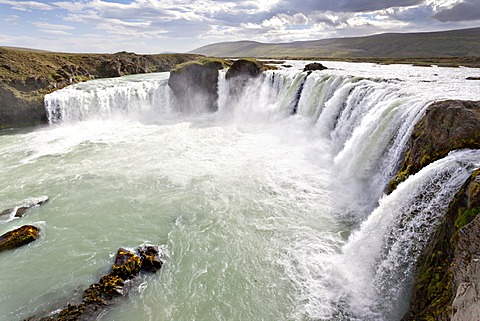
446, 276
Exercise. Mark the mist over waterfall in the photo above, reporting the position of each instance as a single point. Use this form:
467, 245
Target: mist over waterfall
271, 208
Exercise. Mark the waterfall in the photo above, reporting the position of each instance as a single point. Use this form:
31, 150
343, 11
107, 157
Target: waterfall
353, 122
131, 96
378, 259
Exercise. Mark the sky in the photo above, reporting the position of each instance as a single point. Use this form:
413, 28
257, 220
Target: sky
156, 26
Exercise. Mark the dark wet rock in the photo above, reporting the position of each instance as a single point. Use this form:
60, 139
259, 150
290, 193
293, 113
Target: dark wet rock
314, 66
473, 78
19, 211
245, 68
241, 72
18, 237
446, 126
447, 272
110, 287
150, 255
195, 84
127, 264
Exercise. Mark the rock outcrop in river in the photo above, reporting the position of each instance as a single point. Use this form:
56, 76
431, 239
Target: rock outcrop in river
240, 72
195, 84
18, 237
446, 276
99, 295
26, 76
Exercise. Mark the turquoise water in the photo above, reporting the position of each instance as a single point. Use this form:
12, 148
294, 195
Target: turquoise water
230, 204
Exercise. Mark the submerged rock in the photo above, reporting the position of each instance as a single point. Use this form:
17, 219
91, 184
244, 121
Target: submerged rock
314, 66
195, 84
18, 237
103, 293
19, 211
446, 126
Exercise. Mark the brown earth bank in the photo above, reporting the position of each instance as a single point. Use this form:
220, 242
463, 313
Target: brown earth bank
26, 76
446, 277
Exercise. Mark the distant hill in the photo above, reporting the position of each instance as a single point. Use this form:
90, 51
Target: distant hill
453, 43
22, 49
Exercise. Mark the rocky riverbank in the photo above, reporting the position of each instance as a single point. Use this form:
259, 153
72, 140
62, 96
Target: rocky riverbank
26, 76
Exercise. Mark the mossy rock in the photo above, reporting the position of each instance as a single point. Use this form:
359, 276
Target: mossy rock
127, 264
446, 126
245, 68
18, 237
111, 286
435, 278
151, 261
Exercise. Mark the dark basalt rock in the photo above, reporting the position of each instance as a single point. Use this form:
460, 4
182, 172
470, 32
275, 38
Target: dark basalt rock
99, 295
244, 68
473, 78
18, 237
150, 255
241, 72
195, 84
446, 126
314, 66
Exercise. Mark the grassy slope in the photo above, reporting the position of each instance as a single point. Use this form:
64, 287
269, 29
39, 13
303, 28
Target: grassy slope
455, 43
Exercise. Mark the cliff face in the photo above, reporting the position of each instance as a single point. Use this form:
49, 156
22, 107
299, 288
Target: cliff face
446, 277
26, 76
446, 126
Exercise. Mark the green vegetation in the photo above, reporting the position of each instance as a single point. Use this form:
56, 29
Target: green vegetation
433, 291
204, 61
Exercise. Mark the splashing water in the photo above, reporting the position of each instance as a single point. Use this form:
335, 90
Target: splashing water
263, 215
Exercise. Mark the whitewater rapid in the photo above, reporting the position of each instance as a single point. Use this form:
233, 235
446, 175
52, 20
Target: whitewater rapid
262, 215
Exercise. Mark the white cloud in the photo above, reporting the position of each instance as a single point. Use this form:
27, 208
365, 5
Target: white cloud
55, 32
51, 26
188, 23
11, 19
70, 6
26, 5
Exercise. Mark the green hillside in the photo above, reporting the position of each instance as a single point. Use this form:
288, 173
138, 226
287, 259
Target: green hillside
454, 43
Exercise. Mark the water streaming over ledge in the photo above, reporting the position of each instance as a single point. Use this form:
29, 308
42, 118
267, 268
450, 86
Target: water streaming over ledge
262, 215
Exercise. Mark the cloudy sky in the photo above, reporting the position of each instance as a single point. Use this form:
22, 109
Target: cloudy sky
154, 26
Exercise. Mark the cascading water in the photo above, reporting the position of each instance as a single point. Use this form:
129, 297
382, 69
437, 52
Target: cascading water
264, 215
